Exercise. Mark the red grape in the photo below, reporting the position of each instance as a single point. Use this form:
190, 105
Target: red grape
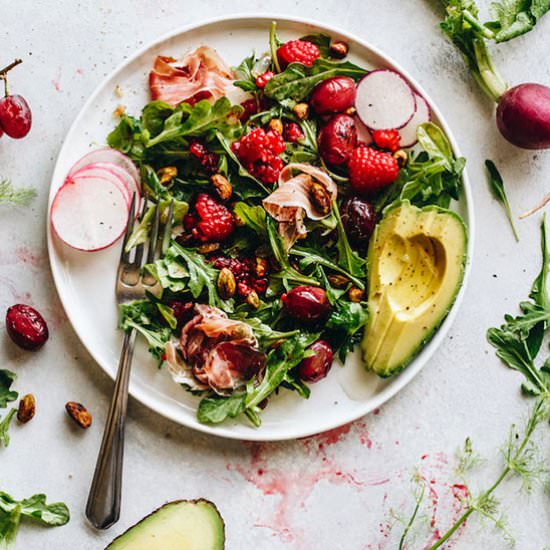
15, 116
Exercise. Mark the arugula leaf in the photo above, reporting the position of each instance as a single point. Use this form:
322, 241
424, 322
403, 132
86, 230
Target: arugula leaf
297, 80
7, 378
274, 43
5, 426
279, 361
286, 273
518, 340
127, 137
347, 258
432, 177
154, 116
144, 316
497, 187
254, 217
264, 333
203, 118
245, 75
213, 410
15, 197
346, 319
35, 507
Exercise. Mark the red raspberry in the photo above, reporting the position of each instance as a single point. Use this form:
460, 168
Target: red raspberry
216, 221
268, 172
297, 51
371, 170
387, 139
264, 78
292, 132
209, 161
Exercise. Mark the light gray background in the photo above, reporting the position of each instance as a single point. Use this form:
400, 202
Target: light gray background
327, 492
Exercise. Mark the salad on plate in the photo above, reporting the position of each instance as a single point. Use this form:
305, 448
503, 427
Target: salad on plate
310, 201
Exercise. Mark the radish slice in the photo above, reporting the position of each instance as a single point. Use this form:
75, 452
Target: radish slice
106, 154
423, 114
89, 213
384, 100
363, 134
102, 173
122, 174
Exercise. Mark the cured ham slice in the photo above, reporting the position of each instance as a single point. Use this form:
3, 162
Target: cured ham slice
293, 200
219, 352
201, 74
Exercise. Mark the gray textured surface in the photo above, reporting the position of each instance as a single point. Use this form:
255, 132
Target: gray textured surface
328, 492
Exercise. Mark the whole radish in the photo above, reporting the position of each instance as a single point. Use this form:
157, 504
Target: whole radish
523, 116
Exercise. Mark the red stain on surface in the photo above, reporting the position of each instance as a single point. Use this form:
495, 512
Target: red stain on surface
56, 81
27, 256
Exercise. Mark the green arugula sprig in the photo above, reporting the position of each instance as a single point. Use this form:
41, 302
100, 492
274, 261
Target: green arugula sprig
7, 395
519, 339
34, 508
497, 187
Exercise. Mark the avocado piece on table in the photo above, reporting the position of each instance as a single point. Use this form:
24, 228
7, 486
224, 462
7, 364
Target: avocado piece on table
416, 262
179, 525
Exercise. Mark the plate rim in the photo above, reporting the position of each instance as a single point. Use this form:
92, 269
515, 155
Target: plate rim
417, 364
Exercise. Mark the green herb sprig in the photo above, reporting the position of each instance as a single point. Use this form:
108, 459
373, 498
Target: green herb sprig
9, 195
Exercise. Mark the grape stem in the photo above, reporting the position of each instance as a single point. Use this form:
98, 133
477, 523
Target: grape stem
5, 70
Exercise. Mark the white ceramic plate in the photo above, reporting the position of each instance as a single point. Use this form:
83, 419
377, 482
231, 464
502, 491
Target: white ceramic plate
85, 281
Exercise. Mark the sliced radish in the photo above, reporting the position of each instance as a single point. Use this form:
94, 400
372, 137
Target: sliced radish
106, 154
423, 114
89, 213
363, 134
384, 100
122, 174
102, 173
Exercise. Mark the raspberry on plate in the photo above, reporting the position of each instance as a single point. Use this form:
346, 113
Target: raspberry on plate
216, 222
371, 170
387, 139
297, 51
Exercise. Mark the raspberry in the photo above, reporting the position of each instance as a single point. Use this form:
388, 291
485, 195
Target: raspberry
216, 221
264, 78
297, 51
387, 139
258, 152
292, 132
371, 170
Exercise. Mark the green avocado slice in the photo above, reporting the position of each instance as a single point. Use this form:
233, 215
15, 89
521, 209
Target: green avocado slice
179, 525
416, 262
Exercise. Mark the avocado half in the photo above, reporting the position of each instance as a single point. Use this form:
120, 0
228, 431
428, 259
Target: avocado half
179, 525
416, 262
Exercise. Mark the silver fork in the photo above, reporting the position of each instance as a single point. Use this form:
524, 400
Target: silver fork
103, 506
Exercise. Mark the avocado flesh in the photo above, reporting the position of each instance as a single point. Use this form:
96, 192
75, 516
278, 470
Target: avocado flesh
416, 264
180, 525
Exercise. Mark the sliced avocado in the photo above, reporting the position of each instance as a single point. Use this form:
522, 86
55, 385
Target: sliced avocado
416, 261
179, 525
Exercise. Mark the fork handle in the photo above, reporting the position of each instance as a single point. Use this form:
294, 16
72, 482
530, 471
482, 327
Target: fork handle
103, 506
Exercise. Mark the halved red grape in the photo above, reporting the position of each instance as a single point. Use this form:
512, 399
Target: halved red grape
15, 116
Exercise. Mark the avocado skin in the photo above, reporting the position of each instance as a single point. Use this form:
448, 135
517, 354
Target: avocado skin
385, 370
121, 542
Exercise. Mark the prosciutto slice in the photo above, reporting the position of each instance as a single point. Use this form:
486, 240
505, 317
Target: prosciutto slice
201, 74
292, 201
218, 352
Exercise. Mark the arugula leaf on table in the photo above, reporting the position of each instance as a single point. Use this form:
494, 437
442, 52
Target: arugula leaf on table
7, 378
519, 339
297, 80
145, 317
286, 273
5, 426
512, 18
497, 187
15, 197
35, 508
